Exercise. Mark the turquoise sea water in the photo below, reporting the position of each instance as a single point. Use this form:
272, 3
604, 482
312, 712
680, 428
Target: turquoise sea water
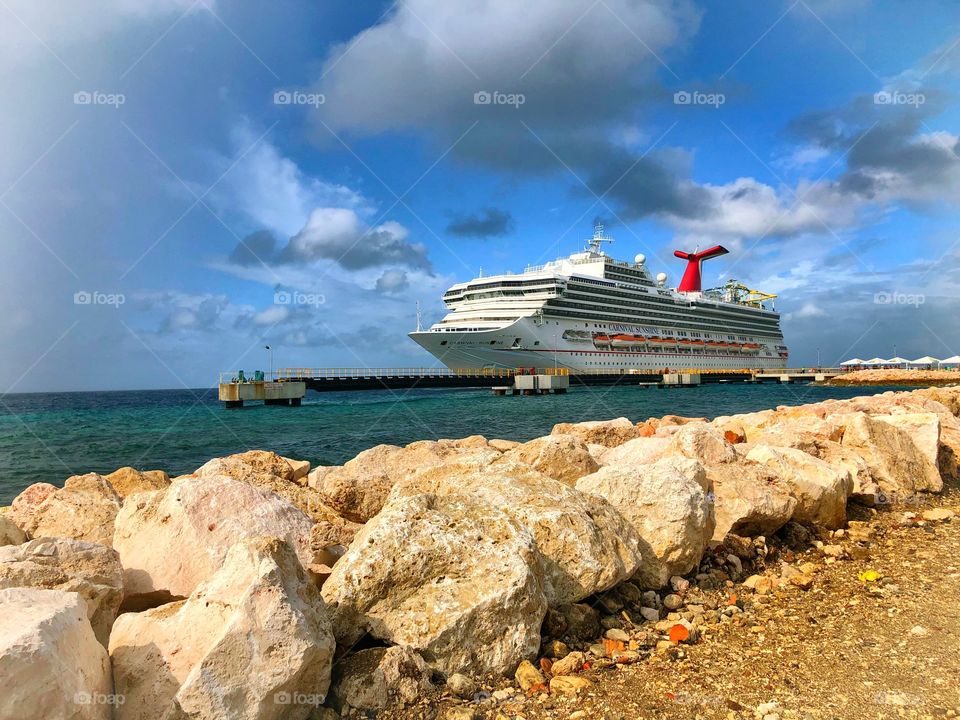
50, 436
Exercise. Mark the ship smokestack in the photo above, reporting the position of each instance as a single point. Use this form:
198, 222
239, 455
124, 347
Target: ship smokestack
692, 279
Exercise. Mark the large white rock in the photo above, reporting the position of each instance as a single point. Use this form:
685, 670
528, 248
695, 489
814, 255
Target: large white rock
923, 429
270, 471
254, 641
83, 509
702, 442
600, 432
127, 481
668, 504
750, 499
10, 533
169, 542
561, 457
639, 451
896, 462
453, 578
820, 489
359, 488
50, 661
90, 569
374, 678
864, 487
587, 545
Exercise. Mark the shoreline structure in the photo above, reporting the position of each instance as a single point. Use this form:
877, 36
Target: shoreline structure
256, 587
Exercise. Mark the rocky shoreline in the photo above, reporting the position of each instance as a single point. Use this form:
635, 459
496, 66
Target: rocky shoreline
457, 578
895, 378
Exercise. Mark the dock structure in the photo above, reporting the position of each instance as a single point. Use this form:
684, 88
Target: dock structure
796, 376
287, 386
234, 394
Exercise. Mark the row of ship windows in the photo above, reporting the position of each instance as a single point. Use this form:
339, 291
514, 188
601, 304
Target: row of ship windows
663, 318
667, 300
709, 312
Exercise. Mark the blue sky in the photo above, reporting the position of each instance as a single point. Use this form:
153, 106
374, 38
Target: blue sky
160, 203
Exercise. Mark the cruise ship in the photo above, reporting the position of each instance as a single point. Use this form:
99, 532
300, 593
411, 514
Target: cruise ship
591, 313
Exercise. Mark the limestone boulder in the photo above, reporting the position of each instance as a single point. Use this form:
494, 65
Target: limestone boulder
326, 533
50, 661
359, 488
83, 509
301, 468
249, 466
896, 462
372, 679
562, 457
639, 451
923, 429
10, 533
503, 445
23, 509
864, 488
750, 499
820, 489
270, 471
668, 504
454, 579
587, 546
127, 480
253, 641
702, 442
89, 569
169, 542
609, 433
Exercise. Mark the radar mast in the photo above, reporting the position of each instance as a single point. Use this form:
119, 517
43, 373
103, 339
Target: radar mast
594, 243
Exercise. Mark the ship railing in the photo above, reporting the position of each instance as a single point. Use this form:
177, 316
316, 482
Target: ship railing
289, 374
391, 372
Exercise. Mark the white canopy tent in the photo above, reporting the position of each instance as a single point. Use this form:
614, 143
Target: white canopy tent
876, 361
951, 362
851, 362
903, 362
925, 361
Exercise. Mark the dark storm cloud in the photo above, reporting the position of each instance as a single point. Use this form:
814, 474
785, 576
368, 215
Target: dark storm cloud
336, 234
254, 249
489, 222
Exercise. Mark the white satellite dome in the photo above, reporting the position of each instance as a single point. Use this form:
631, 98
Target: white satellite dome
640, 259
662, 278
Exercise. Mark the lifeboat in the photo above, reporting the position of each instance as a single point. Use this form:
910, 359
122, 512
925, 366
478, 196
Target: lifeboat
623, 340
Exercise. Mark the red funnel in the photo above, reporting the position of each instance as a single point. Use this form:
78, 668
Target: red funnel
692, 280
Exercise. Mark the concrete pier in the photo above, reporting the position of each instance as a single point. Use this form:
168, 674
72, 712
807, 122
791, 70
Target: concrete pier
535, 385
678, 380
291, 393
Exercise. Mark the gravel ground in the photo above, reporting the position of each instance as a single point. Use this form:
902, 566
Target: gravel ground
854, 644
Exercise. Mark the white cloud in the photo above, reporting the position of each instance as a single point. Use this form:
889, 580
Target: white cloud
273, 191
27, 26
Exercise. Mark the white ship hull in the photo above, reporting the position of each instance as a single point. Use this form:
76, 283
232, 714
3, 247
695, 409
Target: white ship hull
591, 313
543, 346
